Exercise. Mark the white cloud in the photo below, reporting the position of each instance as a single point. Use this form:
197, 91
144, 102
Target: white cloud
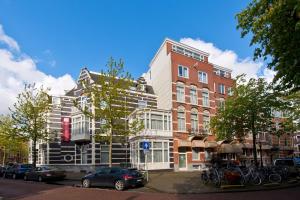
10, 42
18, 69
229, 59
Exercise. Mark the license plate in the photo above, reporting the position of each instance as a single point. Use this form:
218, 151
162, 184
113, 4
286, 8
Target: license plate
139, 180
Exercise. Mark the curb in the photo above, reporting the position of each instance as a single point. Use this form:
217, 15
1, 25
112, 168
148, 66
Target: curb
277, 187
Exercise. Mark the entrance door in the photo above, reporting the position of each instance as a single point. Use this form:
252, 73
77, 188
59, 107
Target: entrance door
182, 161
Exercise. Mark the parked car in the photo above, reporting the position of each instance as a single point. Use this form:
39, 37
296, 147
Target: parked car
17, 171
119, 178
2, 169
44, 174
289, 164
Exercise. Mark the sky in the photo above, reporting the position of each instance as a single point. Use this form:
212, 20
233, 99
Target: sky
49, 41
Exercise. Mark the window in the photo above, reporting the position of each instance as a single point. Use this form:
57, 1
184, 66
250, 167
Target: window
181, 119
222, 73
202, 76
104, 154
221, 103
142, 104
206, 121
193, 95
221, 88
205, 98
183, 71
230, 91
194, 121
195, 153
180, 92
167, 122
156, 122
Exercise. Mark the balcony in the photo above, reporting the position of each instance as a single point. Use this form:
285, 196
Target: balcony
81, 137
155, 133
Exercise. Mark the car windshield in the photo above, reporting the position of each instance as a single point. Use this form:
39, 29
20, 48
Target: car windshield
48, 168
26, 166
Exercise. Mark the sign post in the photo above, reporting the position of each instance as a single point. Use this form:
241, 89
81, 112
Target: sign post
146, 148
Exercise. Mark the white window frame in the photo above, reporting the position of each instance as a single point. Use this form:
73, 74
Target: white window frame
201, 77
185, 71
195, 113
182, 111
206, 129
194, 97
205, 99
221, 88
180, 96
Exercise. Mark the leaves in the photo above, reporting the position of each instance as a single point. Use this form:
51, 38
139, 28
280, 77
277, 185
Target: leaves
274, 27
29, 114
249, 110
107, 103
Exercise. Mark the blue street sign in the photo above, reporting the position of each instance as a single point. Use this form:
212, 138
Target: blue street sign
146, 145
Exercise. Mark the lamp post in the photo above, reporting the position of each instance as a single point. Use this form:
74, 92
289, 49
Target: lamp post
261, 160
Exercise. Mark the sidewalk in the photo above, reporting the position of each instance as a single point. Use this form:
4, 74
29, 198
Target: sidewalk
189, 183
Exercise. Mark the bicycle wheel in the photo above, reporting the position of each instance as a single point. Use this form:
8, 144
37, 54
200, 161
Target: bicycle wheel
215, 178
274, 178
256, 180
204, 178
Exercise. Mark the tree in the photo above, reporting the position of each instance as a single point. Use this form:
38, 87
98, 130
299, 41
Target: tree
107, 104
11, 143
29, 114
249, 110
275, 29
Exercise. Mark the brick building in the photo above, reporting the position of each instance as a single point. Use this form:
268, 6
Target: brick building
192, 88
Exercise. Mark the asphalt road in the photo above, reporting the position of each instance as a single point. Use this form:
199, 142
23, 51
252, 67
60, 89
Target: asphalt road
18, 189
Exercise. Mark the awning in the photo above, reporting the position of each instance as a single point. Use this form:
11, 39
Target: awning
198, 143
266, 147
211, 144
238, 148
184, 143
248, 146
226, 148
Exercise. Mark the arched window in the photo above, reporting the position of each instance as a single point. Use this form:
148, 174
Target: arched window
221, 103
194, 120
180, 92
193, 95
181, 118
205, 97
206, 121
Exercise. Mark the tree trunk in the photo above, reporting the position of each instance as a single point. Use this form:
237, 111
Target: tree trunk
34, 153
4, 156
254, 141
110, 147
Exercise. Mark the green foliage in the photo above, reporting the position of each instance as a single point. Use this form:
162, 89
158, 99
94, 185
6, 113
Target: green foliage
275, 29
249, 110
107, 99
29, 114
11, 142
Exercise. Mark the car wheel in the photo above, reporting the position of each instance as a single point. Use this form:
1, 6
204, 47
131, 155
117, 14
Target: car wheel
14, 176
119, 185
40, 179
86, 183
25, 178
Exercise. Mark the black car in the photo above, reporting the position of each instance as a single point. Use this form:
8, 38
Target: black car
44, 174
2, 170
17, 171
119, 178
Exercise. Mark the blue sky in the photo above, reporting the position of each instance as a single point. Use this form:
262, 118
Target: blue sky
64, 35
49, 41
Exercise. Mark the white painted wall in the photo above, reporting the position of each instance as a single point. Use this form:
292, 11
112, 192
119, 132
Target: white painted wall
161, 79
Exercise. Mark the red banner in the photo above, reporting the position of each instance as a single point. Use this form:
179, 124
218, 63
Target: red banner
66, 129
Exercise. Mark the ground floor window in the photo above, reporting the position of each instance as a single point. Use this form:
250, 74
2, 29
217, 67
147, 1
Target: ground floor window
104, 154
196, 153
158, 152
